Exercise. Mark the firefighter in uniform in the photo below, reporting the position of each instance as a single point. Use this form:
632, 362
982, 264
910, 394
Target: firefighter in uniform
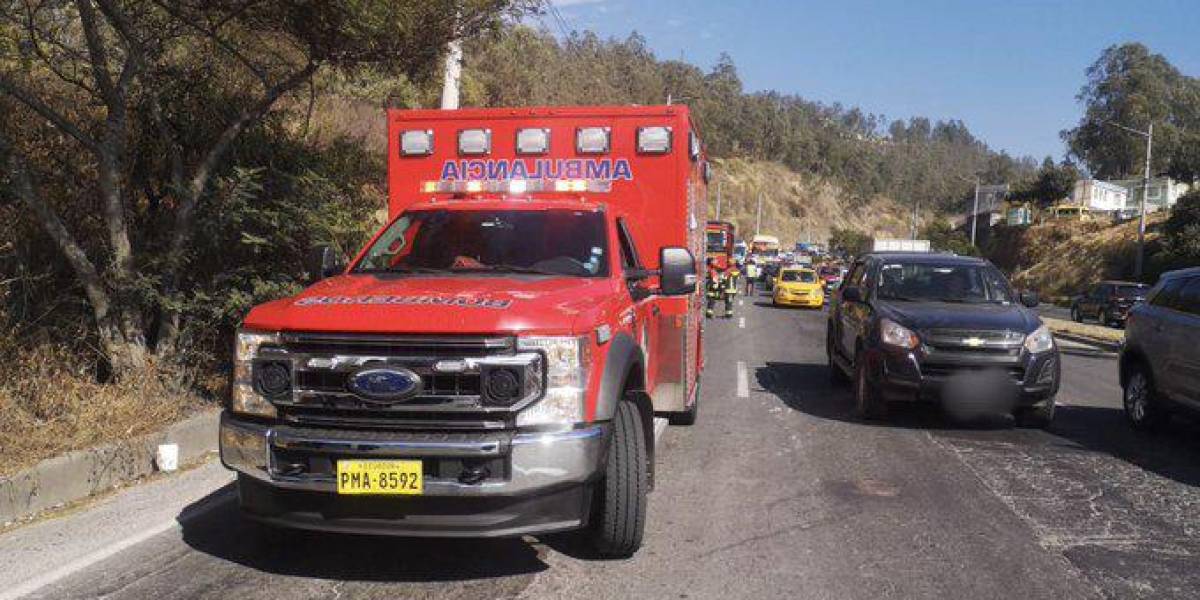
719, 286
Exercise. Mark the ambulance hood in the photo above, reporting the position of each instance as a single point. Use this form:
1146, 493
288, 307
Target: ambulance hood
404, 304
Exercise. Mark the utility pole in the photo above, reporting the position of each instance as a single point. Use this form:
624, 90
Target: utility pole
1141, 245
451, 75
1141, 251
718, 200
916, 211
758, 218
975, 211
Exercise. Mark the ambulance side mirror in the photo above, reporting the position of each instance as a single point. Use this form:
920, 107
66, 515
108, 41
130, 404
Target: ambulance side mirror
325, 261
678, 273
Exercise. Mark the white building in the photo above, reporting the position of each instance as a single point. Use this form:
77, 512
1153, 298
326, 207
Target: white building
1099, 195
1164, 192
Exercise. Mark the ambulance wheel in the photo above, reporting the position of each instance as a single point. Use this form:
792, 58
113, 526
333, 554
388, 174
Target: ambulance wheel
621, 498
687, 418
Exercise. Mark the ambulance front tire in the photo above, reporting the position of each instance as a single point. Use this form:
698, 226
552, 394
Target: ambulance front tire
619, 520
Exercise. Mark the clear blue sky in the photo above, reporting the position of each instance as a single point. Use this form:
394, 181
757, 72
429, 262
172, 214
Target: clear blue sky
1010, 69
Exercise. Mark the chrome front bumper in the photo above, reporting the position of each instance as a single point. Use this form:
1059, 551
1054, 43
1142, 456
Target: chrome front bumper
537, 461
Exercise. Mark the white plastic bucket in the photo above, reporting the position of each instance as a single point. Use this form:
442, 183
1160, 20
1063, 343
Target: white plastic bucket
167, 457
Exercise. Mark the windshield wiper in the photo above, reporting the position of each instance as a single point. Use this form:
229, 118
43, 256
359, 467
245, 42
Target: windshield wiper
403, 269
505, 268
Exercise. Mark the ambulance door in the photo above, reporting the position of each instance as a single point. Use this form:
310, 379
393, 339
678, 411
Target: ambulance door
644, 312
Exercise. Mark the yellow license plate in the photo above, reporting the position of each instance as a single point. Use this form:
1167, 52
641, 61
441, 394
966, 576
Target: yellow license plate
379, 477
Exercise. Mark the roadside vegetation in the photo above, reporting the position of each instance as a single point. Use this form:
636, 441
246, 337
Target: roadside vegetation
167, 165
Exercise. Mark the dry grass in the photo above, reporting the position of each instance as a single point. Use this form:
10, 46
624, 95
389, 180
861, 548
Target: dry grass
796, 206
1061, 259
47, 407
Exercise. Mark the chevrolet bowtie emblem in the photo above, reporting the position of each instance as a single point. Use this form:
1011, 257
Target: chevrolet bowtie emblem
973, 342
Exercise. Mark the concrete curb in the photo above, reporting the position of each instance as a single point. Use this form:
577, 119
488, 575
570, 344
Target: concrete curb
1108, 345
76, 475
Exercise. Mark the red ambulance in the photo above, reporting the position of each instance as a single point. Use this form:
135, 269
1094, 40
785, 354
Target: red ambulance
491, 363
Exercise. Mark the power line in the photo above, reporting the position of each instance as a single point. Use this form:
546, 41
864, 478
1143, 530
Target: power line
563, 25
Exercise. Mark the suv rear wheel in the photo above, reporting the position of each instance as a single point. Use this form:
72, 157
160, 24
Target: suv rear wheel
836, 374
1075, 314
621, 499
1142, 408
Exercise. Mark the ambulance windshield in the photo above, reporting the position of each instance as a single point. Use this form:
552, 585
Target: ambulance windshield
535, 242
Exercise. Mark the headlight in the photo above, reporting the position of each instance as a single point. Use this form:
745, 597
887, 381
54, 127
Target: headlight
1039, 341
895, 334
567, 363
246, 398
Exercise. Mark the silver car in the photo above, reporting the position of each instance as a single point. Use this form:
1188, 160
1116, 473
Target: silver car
1160, 363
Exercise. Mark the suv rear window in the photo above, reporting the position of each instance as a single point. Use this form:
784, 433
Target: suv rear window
1130, 291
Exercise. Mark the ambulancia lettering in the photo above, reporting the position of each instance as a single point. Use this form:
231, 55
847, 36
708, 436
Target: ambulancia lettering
545, 168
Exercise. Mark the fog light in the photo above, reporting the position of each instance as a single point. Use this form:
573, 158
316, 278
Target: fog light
1046, 375
502, 385
273, 379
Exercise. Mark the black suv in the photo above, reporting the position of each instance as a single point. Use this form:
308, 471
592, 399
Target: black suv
1160, 366
943, 328
1108, 301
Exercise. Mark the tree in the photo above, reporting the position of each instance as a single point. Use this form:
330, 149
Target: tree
1131, 86
150, 95
1051, 184
943, 237
848, 241
1181, 232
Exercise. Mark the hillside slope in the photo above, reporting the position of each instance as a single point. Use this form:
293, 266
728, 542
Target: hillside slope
796, 206
1061, 258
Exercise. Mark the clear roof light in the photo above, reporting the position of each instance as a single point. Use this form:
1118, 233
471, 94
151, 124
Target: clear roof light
654, 140
416, 142
592, 140
474, 142
533, 141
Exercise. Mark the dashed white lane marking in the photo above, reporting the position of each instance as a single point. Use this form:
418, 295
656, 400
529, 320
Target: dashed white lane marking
88, 560
743, 381
742, 322
741, 302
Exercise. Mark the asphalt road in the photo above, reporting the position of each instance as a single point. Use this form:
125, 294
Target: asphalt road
775, 493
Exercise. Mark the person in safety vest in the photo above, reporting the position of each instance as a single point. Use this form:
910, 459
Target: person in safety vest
719, 286
752, 273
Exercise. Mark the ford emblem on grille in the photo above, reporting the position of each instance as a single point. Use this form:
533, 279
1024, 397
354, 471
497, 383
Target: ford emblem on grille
384, 384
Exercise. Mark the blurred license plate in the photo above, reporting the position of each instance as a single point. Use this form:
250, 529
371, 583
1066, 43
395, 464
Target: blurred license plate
379, 477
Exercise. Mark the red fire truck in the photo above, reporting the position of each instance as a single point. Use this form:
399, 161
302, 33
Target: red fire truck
719, 241
491, 362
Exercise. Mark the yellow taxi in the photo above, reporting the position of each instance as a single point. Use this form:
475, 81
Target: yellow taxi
798, 286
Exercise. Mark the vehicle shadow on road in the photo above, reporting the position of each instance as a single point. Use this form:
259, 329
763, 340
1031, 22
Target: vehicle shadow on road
773, 306
222, 532
1172, 452
807, 387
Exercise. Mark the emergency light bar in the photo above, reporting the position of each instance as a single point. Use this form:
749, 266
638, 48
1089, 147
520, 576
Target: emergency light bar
516, 186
